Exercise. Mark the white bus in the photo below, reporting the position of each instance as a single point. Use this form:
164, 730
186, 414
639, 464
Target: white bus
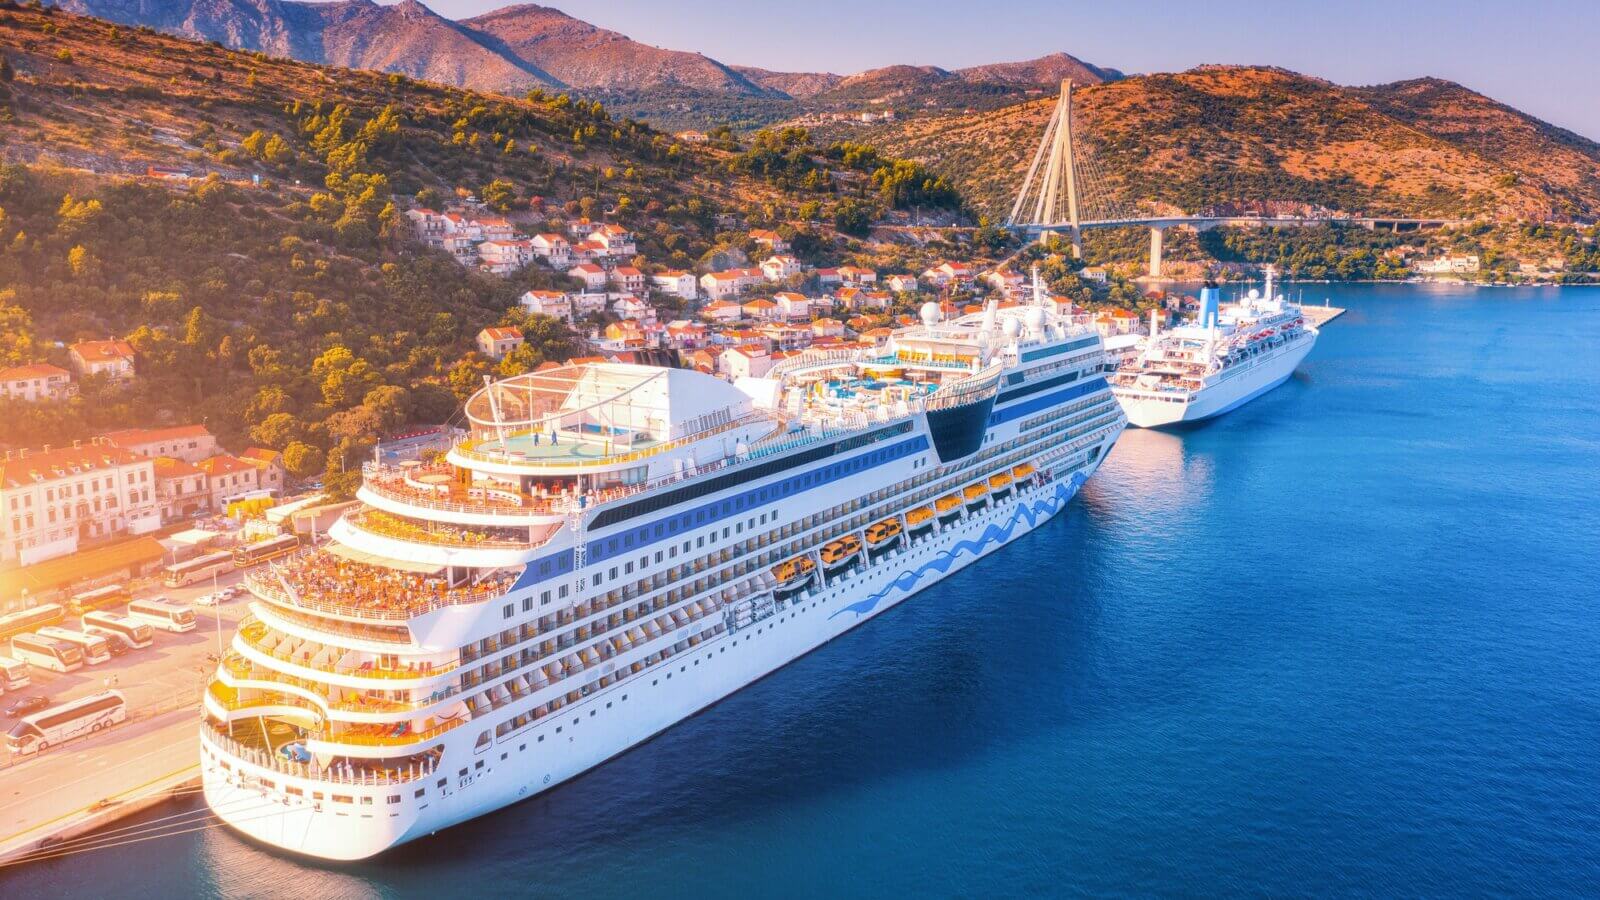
133, 634
29, 619
96, 649
198, 569
60, 724
47, 653
13, 673
162, 614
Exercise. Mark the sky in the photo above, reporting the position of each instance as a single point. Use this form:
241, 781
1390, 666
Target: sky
1540, 56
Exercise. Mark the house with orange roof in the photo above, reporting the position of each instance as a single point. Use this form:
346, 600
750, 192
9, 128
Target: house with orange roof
627, 278
547, 303
722, 311
730, 283
273, 474
594, 277
792, 305
181, 490
687, 335
190, 443
677, 282
788, 336
555, 250
761, 308
111, 359
227, 478
779, 267
747, 361
496, 342
616, 240
827, 328
772, 240
904, 283
35, 382
502, 257
857, 275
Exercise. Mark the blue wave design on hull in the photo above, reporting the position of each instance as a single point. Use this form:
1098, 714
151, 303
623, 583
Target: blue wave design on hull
905, 581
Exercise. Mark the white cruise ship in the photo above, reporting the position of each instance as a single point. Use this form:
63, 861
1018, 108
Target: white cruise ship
613, 548
1230, 355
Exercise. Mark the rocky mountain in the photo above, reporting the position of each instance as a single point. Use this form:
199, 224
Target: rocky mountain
1254, 137
516, 48
1050, 69
584, 56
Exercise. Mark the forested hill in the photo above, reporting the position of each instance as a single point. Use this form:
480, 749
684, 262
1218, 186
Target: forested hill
1259, 138
294, 311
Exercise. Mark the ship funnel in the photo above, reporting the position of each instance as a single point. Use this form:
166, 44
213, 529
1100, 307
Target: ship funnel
1210, 300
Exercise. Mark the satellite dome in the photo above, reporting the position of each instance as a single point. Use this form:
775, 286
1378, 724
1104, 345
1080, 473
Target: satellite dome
930, 313
1011, 327
1254, 294
1035, 319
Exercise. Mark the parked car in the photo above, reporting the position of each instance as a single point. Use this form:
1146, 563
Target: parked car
25, 705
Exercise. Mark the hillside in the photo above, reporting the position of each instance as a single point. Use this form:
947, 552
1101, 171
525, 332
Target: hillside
1220, 137
302, 294
1050, 69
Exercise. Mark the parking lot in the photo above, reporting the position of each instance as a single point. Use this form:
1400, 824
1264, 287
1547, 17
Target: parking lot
167, 675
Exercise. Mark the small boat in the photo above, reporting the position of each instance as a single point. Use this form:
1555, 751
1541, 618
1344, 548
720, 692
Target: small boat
883, 536
949, 507
794, 575
920, 520
1000, 486
839, 554
1023, 471
976, 495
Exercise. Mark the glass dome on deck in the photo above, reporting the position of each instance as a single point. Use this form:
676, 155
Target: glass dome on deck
611, 405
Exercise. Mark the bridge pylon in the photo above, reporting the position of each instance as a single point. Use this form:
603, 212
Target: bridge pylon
1049, 195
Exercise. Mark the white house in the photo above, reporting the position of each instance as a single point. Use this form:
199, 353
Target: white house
548, 303
722, 311
616, 240
772, 240
676, 282
779, 267
731, 283
495, 343
792, 305
504, 257
113, 359
631, 307
746, 361
555, 250
901, 284
628, 278
594, 278
35, 382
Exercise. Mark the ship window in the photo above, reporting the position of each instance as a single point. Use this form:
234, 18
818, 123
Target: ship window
544, 598
558, 729
562, 592
507, 611
442, 782
462, 773
541, 739
608, 704
419, 792
394, 798
341, 798
366, 801
503, 756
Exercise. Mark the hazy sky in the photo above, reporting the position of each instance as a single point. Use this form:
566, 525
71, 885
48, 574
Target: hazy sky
1541, 56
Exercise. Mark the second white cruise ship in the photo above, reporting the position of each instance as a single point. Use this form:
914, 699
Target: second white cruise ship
1227, 357
613, 548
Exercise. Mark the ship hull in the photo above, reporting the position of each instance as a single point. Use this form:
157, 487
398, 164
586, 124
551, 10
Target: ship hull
561, 746
1148, 410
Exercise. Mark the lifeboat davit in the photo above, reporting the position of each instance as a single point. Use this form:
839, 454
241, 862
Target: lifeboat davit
793, 575
949, 507
1000, 486
840, 554
883, 536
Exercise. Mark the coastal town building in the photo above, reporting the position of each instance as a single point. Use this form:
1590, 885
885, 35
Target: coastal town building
181, 491
553, 249
228, 478
901, 284
190, 443
35, 383
769, 239
780, 267
594, 277
676, 282
111, 359
498, 341
54, 500
548, 303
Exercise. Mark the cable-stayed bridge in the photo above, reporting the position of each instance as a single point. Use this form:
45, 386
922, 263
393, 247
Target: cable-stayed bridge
1065, 192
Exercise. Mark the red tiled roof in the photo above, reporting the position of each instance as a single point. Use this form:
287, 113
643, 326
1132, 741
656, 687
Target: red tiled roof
18, 470
32, 370
99, 351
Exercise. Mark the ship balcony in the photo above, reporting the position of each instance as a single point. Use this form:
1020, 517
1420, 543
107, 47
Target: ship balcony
346, 666
250, 741
435, 493
322, 582
239, 671
436, 543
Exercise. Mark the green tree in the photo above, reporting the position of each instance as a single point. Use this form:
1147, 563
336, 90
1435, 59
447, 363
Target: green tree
16, 331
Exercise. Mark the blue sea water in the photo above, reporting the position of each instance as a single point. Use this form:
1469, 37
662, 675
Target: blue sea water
1345, 640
